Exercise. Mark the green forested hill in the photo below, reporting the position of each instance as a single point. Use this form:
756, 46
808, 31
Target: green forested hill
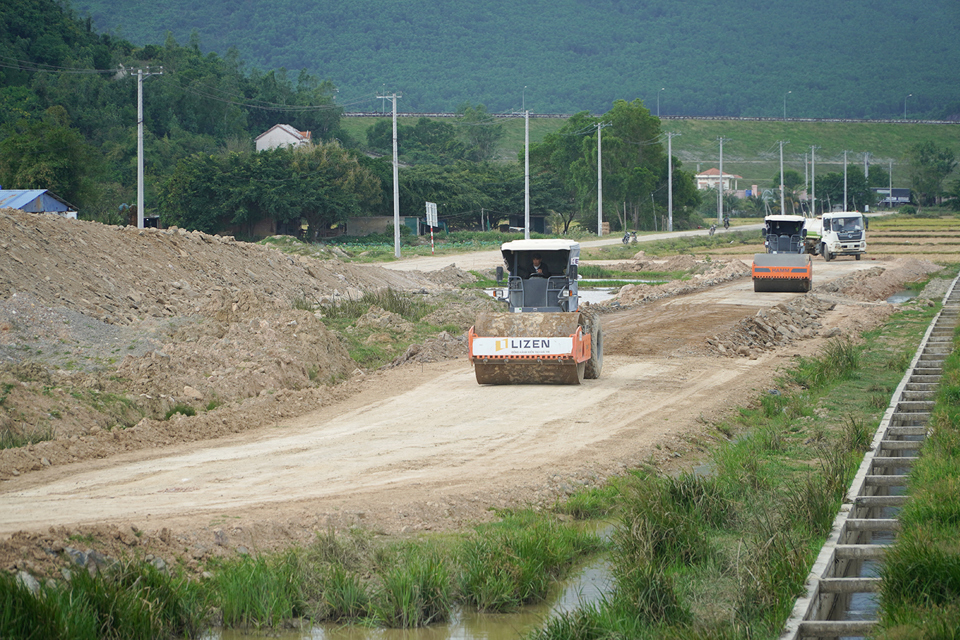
838, 59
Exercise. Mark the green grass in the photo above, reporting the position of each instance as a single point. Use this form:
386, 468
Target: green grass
181, 408
416, 591
403, 304
514, 562
725, 554
746, 241
12, 437
134, 601
373, 346
258, 591
594, 272
749, 147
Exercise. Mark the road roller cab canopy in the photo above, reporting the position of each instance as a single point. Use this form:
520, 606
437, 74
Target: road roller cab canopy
784, 234
557, 254
558, 292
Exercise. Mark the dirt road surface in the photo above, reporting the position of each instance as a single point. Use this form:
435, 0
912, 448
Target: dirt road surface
478, 260
425, 447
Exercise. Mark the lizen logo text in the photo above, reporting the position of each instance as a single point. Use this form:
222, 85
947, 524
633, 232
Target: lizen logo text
522, 343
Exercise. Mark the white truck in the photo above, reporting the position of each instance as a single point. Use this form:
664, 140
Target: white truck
839, 233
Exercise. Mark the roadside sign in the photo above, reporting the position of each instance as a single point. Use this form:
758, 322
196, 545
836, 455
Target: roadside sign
432, 214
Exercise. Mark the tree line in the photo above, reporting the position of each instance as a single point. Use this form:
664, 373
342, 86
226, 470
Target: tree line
69, 125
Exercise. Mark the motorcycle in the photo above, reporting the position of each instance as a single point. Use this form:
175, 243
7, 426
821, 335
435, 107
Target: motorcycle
726, 223
629, 237
713, 229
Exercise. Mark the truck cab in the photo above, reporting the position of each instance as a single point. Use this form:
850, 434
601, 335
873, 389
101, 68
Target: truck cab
842, 233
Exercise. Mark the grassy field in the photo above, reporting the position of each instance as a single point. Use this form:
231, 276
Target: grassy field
750, 148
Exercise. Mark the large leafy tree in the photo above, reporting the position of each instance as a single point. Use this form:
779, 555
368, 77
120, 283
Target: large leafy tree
426, 142
632, 162
48, 154
466, 193
553, 160
319, 186
331, 186
480, 132
859, 194
929, 164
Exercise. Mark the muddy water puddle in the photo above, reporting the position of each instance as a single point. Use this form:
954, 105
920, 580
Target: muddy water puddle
590, 585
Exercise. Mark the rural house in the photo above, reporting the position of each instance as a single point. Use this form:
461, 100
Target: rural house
282, 135
711, 177
36, 201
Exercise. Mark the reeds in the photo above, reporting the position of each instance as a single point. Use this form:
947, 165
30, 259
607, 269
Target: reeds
133, 600
415, 592
839, 360
258, 591
514, 562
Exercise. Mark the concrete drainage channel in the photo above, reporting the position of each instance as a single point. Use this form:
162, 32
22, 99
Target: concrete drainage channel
841, 600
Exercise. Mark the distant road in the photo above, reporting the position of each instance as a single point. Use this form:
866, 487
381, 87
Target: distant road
491, 258
378, 114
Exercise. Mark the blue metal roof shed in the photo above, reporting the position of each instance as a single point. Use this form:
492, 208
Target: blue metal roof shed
36, 201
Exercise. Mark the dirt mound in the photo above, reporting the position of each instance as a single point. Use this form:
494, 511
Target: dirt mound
804, 317
676, 263
462, 312
446, 346
712, 273
879, 283
106, 330
121, 275
247, 345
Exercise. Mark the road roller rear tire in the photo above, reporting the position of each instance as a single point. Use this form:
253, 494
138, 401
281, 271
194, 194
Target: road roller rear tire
595, 364
568, 372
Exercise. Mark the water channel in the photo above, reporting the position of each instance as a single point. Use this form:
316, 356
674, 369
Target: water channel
588, 586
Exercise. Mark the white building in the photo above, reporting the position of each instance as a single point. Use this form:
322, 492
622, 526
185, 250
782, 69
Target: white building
711, 177
282, 135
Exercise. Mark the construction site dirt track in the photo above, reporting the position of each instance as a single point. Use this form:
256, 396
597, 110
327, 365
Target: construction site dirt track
422, 447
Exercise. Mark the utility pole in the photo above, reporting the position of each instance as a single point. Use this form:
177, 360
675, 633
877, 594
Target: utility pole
670, 180
866, 166
140, 76
396, 178
600, 125
813, 180
844, 180
720, 187
526, 175
783, 210
890, 177
806, 177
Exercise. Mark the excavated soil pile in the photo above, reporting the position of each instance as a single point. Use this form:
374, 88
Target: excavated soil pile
800, 318
709, 273
122, 275
106, 326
